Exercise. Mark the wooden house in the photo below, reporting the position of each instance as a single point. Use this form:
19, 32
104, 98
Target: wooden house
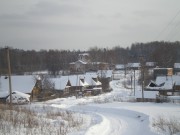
61, 86
76, 85
27, 84
81, 65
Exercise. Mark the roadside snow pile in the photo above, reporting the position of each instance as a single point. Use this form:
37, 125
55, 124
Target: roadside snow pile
18, 98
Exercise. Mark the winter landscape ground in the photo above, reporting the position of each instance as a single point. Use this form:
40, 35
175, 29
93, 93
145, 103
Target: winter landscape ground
114, 113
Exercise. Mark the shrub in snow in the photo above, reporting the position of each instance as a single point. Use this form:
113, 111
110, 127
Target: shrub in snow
38, 120
167, 126
102, 100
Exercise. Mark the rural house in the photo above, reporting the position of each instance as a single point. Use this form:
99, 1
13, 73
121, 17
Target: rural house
83, 64
27, 84
74, 85
165, 85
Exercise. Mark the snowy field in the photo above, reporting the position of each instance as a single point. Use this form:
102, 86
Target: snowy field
114, 113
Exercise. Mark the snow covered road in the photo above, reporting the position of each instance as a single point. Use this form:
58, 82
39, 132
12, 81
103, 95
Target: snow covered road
109, 117
116, 121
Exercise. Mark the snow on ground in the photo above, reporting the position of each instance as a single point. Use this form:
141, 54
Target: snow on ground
109, 117
118, 118
113, 113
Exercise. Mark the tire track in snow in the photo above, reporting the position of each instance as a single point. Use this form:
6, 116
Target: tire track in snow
117, 121
99, 129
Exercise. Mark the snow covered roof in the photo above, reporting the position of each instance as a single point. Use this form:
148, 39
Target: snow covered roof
98, 63
157, 68
176, 79
176, 65
134, 65
60, 83
119, 66
164, 83
23, 83
84, 54
4, 94
79, 61
150, 63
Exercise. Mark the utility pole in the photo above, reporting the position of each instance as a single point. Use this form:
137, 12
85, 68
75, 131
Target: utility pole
9, 75
142, 76
134, 82
142, 73
131, 82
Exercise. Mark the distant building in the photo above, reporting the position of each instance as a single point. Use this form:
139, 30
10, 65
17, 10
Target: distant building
73, 85
84, 57
162, 72
150, 64
83, 64
176, 68
166, 85
134, 66
119, 67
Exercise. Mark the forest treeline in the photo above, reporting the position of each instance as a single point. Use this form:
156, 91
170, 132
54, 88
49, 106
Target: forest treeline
164, 53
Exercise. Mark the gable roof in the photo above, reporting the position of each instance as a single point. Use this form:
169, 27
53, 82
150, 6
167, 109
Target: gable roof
79, 62
164, 83
60, 83
23, 83
133, 65
120, 66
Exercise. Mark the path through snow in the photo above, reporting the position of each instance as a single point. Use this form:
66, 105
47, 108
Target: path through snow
116, 118
116, 121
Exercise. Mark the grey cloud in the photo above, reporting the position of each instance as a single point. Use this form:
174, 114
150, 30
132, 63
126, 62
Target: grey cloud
45, 8
80, 23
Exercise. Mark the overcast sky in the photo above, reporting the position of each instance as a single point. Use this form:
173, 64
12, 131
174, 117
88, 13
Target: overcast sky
81, 24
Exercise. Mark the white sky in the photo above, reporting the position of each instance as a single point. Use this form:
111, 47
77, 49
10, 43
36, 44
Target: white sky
81, 24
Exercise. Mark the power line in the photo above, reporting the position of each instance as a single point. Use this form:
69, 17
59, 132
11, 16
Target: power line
171, 35
171, 21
